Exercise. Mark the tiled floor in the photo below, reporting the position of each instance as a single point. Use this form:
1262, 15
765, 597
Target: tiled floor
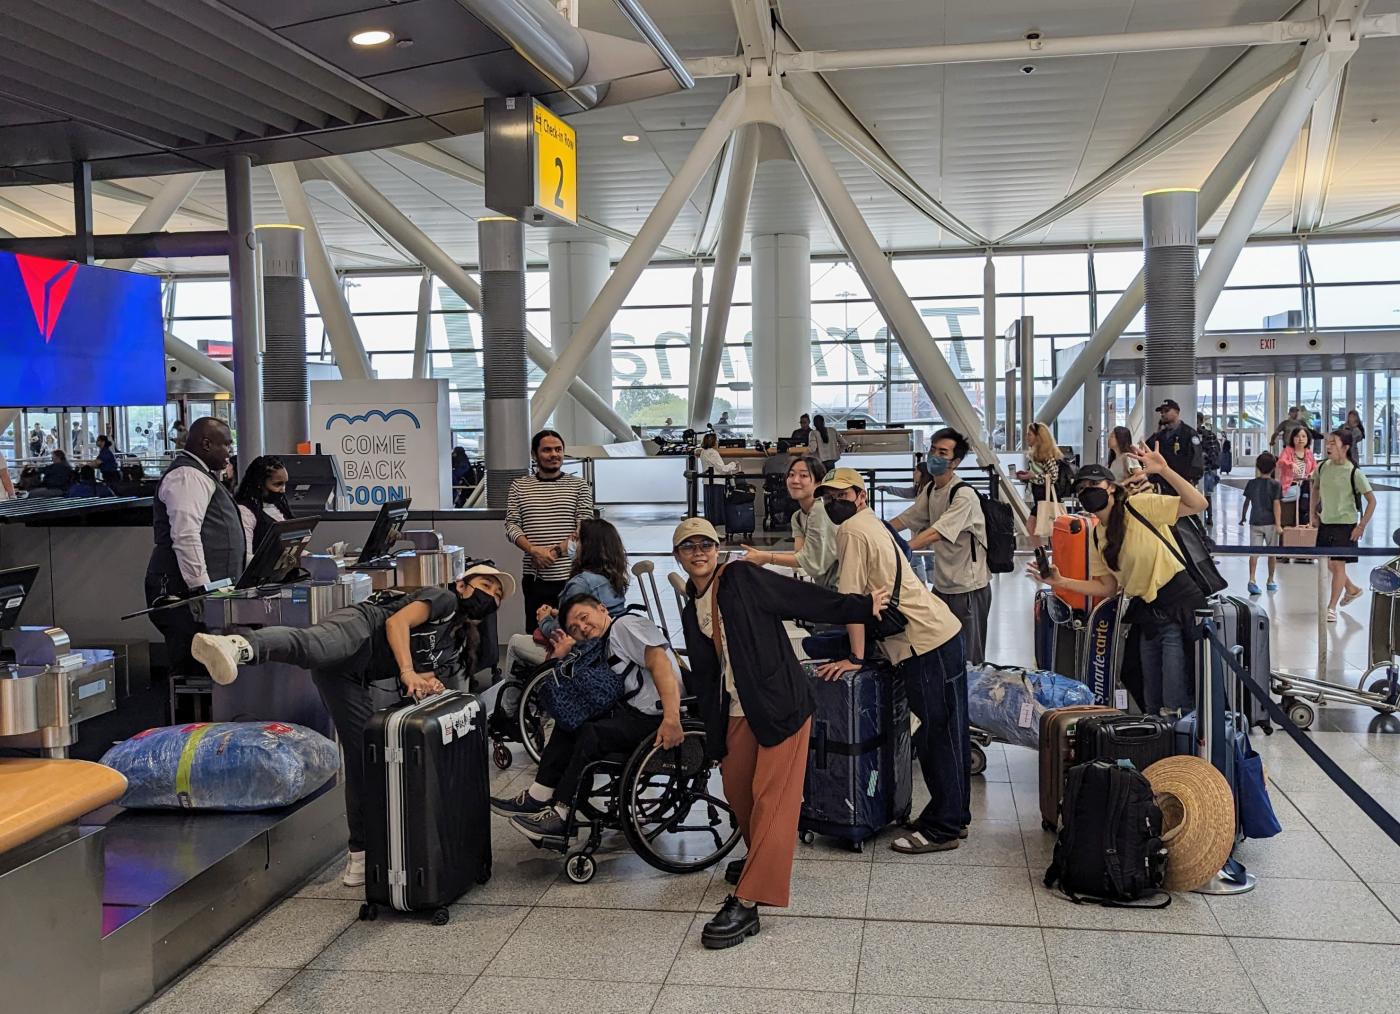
966, 932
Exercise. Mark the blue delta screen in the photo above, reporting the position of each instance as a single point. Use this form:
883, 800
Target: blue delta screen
76, 335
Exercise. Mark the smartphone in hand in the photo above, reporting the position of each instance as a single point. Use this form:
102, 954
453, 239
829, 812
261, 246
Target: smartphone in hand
1042, 562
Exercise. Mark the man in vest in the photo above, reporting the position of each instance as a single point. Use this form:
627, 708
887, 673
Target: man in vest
198, 536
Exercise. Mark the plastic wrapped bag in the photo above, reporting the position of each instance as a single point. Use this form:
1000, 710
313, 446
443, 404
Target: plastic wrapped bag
1007, 703
223, 765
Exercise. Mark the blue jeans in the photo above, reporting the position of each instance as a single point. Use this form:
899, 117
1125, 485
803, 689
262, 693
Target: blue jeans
1166, 674
936, 683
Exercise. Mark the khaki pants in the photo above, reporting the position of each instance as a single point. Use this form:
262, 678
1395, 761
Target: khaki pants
764, 786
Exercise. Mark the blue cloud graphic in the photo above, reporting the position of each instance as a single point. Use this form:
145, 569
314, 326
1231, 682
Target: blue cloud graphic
365, 417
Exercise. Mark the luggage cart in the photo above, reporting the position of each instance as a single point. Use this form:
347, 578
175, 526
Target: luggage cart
1379, 686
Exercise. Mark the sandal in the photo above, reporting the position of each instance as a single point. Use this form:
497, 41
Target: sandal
916, 843
1351, 596
1331, 616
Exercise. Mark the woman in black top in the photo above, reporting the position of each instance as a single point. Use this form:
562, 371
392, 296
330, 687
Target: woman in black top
58, 475
262, 499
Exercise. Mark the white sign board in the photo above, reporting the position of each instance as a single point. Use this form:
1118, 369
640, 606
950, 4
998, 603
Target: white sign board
390, 438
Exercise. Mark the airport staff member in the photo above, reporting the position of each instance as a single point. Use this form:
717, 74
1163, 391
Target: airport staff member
1179, 444
198, 535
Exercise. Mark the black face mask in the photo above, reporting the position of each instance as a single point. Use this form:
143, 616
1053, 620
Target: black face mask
477, 606
840, 511
1093, 498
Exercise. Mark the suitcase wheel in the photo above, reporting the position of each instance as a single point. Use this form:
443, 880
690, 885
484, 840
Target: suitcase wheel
369, 912
484, 876
808, 837
501, 756
857, 847
580, 867
979, 760
441, 917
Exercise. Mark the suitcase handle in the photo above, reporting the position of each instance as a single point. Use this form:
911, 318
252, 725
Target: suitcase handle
1134, 730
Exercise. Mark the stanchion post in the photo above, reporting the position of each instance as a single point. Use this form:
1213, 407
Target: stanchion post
1323, 597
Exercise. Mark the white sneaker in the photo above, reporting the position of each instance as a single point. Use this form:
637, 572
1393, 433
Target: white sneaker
222, 654
354, 870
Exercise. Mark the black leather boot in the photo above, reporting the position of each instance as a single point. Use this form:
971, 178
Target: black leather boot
734, 922
734, 871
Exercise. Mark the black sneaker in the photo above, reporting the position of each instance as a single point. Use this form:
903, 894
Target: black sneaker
734, 922
734, 871
546, 825
523, 804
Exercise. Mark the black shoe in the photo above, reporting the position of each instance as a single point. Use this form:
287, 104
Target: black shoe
731, 925
520, 805
734, 871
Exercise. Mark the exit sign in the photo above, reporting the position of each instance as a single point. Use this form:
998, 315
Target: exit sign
1267, 344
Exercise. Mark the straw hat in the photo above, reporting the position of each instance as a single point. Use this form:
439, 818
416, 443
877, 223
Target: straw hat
1198, 819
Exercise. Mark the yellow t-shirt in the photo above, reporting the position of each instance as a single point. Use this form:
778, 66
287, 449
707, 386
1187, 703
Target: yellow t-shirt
1145, 563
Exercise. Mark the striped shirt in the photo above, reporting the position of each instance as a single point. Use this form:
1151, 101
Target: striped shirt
547, 511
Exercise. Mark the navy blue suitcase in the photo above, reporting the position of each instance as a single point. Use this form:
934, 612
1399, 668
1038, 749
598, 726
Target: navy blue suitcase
739, 517
713, 505
860, 776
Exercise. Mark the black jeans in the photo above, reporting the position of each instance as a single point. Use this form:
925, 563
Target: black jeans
568, 752
177, 627
936, 683
538, 592
972, 609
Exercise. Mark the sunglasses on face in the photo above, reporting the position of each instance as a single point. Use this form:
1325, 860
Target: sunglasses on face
697, 546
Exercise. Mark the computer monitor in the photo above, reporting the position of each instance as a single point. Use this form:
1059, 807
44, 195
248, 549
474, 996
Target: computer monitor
279, 553
388, 524
15, 585
312, 482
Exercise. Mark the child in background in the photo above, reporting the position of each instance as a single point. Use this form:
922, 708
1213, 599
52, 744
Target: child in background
1263, 505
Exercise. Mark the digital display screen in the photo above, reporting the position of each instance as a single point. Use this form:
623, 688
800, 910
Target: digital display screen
74, 334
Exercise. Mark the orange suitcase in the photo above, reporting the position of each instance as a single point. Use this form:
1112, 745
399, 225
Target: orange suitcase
1069, 550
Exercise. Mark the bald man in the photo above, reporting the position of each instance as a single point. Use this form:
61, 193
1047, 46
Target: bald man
198, 536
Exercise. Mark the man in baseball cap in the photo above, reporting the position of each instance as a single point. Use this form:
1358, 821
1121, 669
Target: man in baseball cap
1179, 444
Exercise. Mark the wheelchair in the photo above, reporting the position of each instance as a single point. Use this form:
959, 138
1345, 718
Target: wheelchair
668, 805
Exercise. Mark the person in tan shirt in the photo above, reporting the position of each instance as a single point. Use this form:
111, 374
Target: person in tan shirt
927, 654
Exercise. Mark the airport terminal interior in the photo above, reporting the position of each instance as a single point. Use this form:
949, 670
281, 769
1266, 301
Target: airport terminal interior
330, 328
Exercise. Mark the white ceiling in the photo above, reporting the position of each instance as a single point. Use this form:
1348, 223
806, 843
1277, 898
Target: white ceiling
994, 146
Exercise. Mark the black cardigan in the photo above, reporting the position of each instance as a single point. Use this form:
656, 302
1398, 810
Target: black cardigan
775, 692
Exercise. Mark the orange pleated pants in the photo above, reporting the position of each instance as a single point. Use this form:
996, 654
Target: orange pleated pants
764, 786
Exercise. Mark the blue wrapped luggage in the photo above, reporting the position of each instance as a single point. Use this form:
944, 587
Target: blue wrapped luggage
1007, 702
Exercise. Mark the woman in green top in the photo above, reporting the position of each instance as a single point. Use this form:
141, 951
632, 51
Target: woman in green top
1339, 489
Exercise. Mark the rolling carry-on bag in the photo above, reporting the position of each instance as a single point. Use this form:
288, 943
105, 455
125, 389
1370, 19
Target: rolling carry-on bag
427, 804
1057, 731
738, 512
1105, 643
712, 505
1244, 628
1070, 552
860, 776
1059, 635
1142, 739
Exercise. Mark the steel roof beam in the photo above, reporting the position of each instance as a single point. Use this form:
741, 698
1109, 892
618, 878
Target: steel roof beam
1318, 155
156, 215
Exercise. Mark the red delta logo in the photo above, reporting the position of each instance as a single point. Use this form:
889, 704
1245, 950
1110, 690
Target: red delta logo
48, 283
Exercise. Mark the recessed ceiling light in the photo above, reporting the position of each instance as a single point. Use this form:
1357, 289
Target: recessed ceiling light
371, 37
631, 138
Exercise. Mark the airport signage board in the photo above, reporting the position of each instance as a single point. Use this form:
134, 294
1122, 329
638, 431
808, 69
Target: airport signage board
531, 162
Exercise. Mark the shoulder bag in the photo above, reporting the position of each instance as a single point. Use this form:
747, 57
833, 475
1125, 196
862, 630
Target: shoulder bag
1191, 551
1048, 509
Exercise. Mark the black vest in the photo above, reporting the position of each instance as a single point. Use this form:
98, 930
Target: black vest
225, 552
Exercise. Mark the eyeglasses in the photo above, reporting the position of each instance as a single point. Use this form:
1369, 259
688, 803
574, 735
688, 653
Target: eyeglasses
697, 546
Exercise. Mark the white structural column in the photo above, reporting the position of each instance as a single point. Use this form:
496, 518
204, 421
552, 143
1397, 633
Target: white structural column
1222, 180
577, 270
1313, 77
697, 330
556, 382
344, 336
989, 349
782, 331
423, 326
733, 215
155, 216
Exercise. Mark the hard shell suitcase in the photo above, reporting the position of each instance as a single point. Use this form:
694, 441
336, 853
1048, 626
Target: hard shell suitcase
1059, 635
860, 776
1244, 627
1070, 551
738, 513
1057, 733
427, 804
1105, 643
713, 504
1142, 739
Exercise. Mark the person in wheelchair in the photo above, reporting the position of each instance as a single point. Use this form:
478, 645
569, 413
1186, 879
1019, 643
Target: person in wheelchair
650, 708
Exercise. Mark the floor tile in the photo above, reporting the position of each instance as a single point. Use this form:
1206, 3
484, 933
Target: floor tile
289, 935
1296, 977
992, 801
1188, 913
989, 843
518, 878
214, 990
939, 960
1372, 855
1390, 897
747, 1000
1330, 812
869, 1004
625, 880
326, 884
831, 889
1149, 970
1023, 765
955, 894
1294, 854
593, 943
833, 850
788, 953
341, 992
411, 943
1307, 910
551, 996
1040, 848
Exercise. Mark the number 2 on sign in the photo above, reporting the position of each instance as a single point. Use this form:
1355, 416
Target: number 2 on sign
559, 188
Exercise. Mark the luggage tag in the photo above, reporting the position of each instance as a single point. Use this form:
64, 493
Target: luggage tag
1027, 715
1120, 699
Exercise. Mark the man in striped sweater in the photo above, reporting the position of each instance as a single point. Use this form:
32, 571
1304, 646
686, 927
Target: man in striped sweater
542, 515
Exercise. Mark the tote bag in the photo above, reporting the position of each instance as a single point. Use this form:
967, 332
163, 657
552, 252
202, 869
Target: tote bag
1047, 510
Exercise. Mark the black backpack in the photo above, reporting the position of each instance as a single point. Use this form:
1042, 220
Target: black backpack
1109, 850
1001, 533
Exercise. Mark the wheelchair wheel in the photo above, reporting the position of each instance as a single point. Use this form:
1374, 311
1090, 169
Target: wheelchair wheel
672, 808
580, 867
535, 723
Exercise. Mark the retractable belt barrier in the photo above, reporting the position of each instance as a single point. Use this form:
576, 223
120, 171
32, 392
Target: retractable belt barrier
1363, 799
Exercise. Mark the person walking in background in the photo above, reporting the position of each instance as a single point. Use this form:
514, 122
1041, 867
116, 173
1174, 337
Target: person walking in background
1120, 462
1356, 430
1294, 471
826, 444
1286, 426
723, 428
1263, 506
1210, 463
36, 441
1179, 444
106, 461
178, 435
543, 513
1044, 459
1336, 504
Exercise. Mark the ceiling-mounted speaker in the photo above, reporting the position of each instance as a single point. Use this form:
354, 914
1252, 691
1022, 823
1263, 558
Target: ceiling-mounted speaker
1139, 347
1223, 345
1313, 343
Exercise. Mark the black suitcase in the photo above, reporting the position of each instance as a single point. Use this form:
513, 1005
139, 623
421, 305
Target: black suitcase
860, 776
427, 804
713, 505
1244, 629
738, 513
1142, 739
1058, 636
